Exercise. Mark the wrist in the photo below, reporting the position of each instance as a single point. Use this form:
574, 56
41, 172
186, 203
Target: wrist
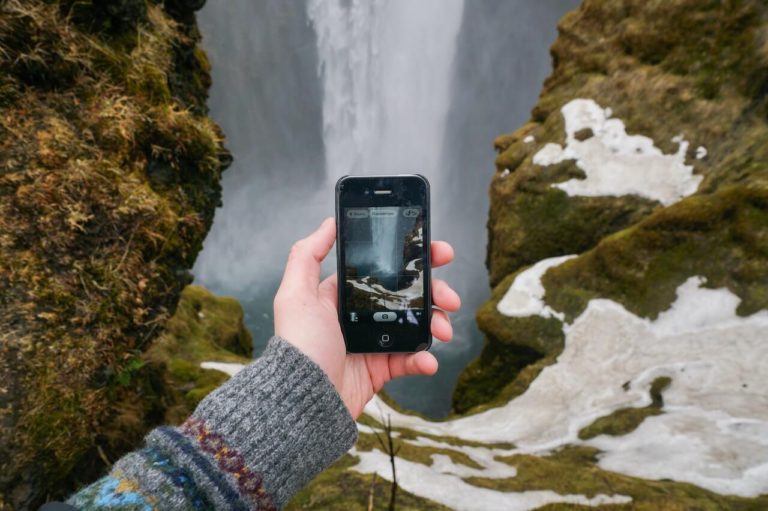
279, 409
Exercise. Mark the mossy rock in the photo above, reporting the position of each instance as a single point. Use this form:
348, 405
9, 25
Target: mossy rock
93, 252
664, 69
721, 236
626, 420
667, 73
514, 349
203, 328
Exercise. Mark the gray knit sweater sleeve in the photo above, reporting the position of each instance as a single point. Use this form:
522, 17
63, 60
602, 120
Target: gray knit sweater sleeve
251, 444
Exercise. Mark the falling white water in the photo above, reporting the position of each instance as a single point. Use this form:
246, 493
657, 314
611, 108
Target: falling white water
307, 91
386, 72
390, 252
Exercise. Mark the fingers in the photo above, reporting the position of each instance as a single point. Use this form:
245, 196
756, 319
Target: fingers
303, 267
445, 297
441, 252
441, 325
409, 364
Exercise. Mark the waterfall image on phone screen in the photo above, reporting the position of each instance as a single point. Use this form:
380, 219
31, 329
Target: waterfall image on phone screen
383, 258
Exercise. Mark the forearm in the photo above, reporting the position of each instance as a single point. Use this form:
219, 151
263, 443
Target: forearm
251, 444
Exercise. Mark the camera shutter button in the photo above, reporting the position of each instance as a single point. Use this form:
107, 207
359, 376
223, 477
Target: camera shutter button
384, 316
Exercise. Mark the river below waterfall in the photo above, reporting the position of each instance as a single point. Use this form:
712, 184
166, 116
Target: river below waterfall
307, 91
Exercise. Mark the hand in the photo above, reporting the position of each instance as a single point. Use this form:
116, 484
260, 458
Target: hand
306, 315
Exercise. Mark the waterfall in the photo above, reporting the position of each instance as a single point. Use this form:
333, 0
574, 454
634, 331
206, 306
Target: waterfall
387, 248
385, 67
309, 90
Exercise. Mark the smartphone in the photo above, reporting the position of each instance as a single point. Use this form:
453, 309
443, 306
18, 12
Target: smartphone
383, 254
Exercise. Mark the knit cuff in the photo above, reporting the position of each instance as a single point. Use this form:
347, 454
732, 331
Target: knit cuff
265, 433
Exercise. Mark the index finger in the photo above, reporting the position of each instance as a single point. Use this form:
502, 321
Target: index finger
442, 253
303, 267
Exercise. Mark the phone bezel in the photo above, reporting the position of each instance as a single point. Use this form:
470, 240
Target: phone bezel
407, 189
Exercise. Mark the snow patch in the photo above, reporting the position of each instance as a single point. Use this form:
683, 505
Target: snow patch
450, 490
525, 297
225, 367
713, 430
392, 300
701, 152
529, 139
617, 163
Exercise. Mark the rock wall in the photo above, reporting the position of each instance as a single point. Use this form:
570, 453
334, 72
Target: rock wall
691, 77
109, 177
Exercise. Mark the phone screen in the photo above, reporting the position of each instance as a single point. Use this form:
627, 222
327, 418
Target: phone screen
384, 264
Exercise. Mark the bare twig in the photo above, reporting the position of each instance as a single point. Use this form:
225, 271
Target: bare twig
389, 448
127, 248
103, 455
370, 493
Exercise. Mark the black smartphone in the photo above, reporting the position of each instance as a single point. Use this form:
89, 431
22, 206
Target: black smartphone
383, 253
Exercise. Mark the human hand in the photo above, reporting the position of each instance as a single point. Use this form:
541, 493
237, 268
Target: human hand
306, 315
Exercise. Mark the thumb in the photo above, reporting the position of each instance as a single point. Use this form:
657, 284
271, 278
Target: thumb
303, 267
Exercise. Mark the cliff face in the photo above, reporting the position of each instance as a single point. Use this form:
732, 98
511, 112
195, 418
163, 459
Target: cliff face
692, 78
109, 177
628, 234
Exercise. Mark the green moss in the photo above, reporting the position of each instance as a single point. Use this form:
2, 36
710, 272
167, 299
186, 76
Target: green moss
503, 389
204, 328
340, 488
573, 470
721, 236
483, 380
626, 420
409, 434
545, 222
412, 452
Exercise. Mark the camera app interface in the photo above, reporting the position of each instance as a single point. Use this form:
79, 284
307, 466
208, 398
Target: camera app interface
384, 265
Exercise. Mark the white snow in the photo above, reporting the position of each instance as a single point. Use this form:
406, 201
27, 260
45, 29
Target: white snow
225, 367
504, 173
616, 163
411, 266
701, 152
452, 491
419, 238
525, 297
392, 300
529, 139
713, 431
